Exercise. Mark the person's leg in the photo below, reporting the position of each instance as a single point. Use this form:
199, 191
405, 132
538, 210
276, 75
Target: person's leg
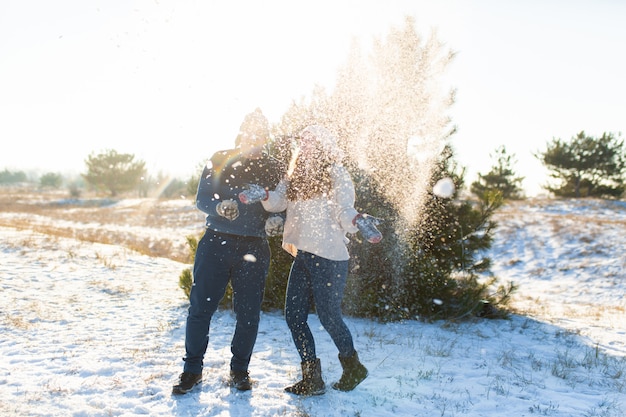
328, 281
248, 282
297, 305
211, 274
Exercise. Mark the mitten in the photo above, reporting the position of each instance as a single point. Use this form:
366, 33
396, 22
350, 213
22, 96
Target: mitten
228, 209
274, 226
253, 194
367, 226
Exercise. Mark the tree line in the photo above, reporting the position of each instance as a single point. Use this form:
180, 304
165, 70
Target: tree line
112, 173
584, 166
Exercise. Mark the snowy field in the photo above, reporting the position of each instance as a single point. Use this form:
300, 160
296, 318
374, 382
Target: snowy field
92, 329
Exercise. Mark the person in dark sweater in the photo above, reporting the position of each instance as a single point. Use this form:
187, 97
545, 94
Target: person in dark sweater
234, 248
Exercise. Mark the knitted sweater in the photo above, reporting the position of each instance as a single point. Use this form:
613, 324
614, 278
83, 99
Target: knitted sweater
224, 180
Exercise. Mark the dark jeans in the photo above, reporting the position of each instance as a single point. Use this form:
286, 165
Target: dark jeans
244, 261
325, 281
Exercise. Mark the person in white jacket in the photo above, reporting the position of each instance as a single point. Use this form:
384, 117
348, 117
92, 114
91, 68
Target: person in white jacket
318, 196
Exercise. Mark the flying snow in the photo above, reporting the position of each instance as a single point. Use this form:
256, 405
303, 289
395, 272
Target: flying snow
249, 257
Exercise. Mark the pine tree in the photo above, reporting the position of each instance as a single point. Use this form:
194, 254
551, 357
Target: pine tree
113, 171
51, 180
501, 179
441, 258
448, 253
586, 166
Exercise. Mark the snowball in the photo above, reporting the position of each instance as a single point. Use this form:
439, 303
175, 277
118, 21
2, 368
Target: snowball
444, 188
249, 257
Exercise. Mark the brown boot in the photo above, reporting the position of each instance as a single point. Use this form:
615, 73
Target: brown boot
353, 373
240, 380
312, 382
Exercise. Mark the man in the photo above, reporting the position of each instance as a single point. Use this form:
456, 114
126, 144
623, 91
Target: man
233, 249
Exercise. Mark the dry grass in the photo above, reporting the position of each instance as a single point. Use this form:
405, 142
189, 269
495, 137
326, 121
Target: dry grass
101, 220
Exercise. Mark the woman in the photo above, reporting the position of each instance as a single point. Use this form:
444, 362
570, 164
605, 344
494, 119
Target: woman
318, 195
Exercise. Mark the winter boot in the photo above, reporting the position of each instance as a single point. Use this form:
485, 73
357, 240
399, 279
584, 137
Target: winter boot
312, 382
186, 382
353, 373
240, 380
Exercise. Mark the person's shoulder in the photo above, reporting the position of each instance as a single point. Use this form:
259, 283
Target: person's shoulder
340, 175
273, 165
221, 157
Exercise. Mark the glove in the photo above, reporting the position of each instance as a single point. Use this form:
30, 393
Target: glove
367, 226
228, 209
274, 226
253, 194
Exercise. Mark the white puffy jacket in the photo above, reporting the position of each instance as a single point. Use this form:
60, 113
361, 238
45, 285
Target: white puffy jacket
318, 225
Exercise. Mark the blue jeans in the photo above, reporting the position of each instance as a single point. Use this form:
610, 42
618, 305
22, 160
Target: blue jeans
323, 280
220, 258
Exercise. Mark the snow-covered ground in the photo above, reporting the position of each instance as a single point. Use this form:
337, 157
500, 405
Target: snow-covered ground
98, 330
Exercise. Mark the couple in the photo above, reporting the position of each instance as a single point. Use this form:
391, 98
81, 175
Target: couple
239, 190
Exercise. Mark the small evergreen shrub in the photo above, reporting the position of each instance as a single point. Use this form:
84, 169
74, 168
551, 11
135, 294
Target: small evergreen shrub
185, 279
431, 270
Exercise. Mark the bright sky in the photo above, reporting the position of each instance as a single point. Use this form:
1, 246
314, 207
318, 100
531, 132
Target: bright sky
170, 81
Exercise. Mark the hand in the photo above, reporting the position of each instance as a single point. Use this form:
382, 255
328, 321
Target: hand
228, 209
274, 226
253, 194
367, 226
